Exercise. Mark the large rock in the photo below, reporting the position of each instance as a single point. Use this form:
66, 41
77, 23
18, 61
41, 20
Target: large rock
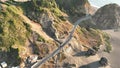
107, 17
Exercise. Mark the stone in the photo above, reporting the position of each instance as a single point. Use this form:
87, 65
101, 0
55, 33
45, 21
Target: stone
103, 61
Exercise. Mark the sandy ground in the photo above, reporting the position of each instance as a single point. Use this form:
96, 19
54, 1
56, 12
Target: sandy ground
114, 56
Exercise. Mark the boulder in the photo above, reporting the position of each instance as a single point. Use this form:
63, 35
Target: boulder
103, 61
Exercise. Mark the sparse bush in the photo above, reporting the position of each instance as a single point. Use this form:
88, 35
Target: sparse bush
108, 47
107, 42
41, 39
62, 18
28, 27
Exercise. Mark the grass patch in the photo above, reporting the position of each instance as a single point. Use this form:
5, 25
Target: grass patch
13, 29
107, 42
108, 47
40, 38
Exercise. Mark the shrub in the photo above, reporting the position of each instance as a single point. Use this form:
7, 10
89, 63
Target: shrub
13, 54
62, 18
41, 39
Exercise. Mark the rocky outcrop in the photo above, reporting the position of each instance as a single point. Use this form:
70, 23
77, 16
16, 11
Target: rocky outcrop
107, 17
47, 24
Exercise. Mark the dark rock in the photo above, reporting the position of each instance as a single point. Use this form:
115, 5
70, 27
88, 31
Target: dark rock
90, 52
49, 29
103, 61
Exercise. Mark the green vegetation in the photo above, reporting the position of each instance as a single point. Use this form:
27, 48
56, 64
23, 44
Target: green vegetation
107, 42
101, 38
108, 47
28, 27
45, 3
104, 39
12, 28
40, 38
84, 30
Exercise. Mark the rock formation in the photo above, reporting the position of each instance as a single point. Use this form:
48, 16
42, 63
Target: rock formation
107, 17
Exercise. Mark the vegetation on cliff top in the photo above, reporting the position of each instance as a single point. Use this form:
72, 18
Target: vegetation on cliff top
12, 28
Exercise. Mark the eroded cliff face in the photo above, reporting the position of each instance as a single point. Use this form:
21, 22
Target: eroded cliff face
48, 27
108, 17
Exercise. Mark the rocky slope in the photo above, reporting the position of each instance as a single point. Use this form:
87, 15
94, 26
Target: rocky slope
39, 27
108, 17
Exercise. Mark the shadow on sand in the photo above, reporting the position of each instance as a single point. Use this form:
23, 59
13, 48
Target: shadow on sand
83, 53
91, 65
